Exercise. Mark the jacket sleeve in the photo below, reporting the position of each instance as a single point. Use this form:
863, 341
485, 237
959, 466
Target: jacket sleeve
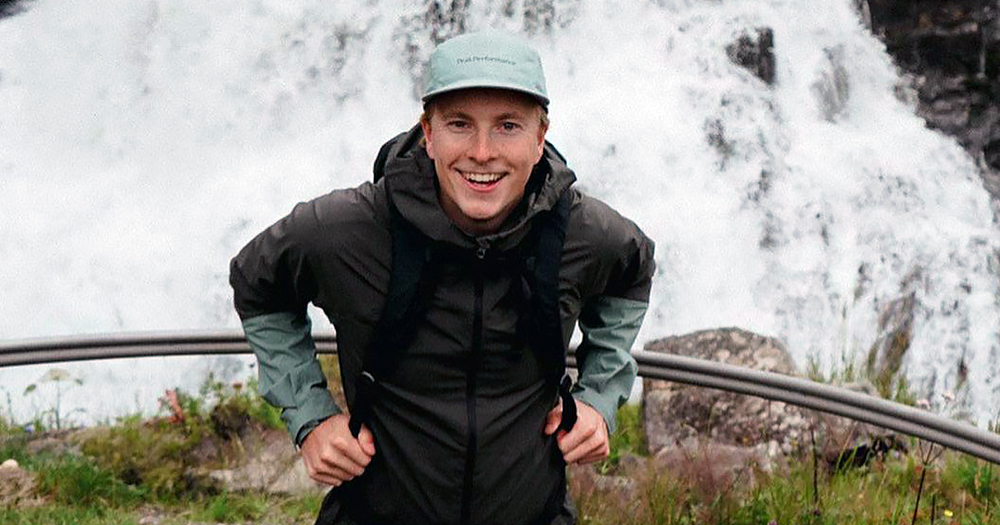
607, 369
610, 323
272, 284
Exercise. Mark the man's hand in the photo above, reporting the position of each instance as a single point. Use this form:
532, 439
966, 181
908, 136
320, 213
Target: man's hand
332, 455
587, 442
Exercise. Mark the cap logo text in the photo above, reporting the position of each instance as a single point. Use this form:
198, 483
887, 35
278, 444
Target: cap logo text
485, 58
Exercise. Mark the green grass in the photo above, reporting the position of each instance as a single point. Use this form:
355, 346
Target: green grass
627, 439
137, 465
958, 489
225, 508
79, 490
78, 481
59, 514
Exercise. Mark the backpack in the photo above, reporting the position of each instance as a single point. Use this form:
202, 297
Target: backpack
411, 284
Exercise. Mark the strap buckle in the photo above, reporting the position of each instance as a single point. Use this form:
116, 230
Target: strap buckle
568, 404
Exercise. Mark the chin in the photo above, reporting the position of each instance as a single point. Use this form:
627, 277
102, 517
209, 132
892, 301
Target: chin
481, 217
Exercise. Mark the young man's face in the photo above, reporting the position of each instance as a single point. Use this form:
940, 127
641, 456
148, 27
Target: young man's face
484, 143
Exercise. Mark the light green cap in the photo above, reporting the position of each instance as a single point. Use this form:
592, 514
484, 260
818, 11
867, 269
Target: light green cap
489, 59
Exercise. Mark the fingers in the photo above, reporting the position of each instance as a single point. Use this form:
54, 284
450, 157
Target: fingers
347, 453
334, 477
367, 441
587, 442
332, 456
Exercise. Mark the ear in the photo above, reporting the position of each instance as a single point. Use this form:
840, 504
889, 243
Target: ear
425, 125
541, 142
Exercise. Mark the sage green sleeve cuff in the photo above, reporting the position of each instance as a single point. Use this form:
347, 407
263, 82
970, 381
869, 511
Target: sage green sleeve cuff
607, 368
290, 376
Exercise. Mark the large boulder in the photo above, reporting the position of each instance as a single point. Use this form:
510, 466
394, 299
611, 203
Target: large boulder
674, 413
730, 432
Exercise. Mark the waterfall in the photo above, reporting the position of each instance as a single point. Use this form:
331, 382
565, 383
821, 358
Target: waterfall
146, 141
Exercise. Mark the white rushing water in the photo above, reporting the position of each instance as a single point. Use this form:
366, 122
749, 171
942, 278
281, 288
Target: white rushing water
144, 142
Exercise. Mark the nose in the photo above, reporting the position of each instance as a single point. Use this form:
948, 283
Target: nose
482, 148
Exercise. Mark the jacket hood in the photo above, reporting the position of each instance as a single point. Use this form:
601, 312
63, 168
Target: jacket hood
412, 183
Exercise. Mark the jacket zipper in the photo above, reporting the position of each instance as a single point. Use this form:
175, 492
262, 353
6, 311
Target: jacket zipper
470, 392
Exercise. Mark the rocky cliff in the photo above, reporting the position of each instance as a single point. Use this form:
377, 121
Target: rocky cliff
950, 49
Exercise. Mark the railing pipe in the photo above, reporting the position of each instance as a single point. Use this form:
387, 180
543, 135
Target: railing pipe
797, 391
112, 346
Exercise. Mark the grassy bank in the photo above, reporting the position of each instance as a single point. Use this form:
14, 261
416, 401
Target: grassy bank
145, 472
925, 485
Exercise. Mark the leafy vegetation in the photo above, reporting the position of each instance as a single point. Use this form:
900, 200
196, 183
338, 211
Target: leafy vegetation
958, 489
137, 468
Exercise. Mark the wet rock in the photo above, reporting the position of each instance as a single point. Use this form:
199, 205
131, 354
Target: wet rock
11, 7
832, 88
756, 53
16, 486
895, 325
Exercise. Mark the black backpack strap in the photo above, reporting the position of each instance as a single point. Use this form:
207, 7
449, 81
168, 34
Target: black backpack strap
544, 324
378, 170
409, 292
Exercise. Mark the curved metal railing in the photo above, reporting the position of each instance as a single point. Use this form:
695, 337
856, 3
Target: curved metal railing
797, 391
111, 346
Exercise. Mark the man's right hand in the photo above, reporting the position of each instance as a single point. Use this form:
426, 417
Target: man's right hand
332, 455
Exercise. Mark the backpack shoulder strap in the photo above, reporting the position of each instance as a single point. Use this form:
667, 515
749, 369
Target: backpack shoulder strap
546, 315
378, 170
409, 292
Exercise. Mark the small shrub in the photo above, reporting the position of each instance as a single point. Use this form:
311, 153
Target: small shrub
79, 481
13, 447
244, 398
156, 456
975, 477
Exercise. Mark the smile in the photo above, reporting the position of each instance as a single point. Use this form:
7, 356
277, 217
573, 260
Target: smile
481, 177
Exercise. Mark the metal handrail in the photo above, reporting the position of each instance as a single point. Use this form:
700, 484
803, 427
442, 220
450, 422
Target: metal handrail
793, 390
112, 346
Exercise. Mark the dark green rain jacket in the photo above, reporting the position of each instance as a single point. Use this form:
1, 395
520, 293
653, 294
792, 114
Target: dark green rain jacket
458, 425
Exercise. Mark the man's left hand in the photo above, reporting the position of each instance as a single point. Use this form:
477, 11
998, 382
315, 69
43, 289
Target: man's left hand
587, 442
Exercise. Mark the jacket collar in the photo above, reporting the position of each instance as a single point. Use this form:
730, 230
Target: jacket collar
412, 183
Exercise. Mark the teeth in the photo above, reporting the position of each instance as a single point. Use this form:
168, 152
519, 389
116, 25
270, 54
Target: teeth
482, 178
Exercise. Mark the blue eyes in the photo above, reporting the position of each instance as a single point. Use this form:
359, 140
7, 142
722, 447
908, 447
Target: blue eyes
505, 127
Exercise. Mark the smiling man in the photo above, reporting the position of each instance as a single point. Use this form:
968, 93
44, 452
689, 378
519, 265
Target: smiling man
454, 282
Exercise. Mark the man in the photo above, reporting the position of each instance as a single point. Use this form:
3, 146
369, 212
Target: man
461, 422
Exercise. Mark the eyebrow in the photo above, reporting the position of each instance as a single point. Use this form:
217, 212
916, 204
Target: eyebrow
510, 115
